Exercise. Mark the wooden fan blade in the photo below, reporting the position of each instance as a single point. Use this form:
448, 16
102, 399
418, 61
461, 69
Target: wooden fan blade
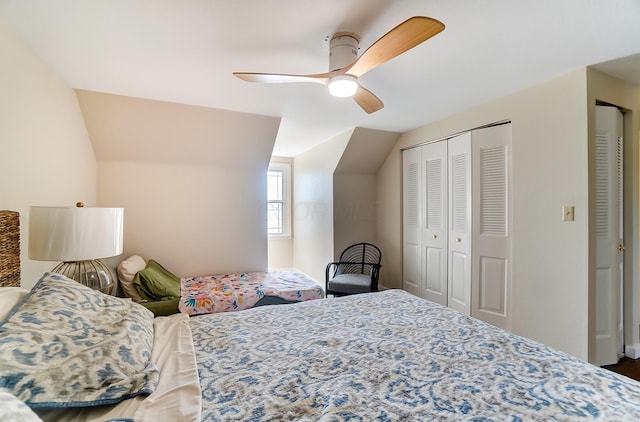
279, 79
403, 37
367, 100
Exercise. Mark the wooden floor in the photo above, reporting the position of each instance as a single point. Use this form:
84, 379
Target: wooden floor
628, 367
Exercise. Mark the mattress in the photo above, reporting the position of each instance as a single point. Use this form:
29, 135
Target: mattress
392, 356
236, 292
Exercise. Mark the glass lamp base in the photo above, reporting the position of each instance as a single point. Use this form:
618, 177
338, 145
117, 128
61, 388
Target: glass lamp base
94, 274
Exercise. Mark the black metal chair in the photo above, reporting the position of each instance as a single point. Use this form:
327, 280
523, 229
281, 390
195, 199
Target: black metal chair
357, 271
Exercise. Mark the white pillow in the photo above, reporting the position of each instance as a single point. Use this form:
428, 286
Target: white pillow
10, 297
14, 410
127, 270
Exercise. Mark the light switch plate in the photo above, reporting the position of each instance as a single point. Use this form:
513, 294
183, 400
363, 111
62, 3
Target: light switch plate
568, 213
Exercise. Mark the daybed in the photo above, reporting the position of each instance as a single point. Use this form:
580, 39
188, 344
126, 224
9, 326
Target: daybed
163, 293
237, 292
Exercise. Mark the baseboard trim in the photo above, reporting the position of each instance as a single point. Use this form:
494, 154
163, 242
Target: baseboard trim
632, 351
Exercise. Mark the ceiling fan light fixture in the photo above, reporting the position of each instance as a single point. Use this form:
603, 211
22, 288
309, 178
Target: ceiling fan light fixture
343, 85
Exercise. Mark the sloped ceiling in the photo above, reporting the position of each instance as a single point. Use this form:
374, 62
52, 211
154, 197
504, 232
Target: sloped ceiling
366, 151
185, 52
625, 68
133, 129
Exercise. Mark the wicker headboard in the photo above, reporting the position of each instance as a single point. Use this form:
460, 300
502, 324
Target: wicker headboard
9, 248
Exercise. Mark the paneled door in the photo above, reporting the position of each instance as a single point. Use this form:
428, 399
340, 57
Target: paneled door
492, 238
609, 231
434, 224
459, 260
411, 217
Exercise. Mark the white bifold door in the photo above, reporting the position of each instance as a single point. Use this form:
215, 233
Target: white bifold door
411, 222
455, 203
459, 256
609, 235
434, 230
492, 238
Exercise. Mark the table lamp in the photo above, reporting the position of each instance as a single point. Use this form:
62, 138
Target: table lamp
78, 236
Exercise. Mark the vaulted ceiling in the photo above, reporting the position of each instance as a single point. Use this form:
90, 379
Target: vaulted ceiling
185, 51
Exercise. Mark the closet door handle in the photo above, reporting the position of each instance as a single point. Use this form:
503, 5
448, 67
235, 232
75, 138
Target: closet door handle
435, 236
459, 240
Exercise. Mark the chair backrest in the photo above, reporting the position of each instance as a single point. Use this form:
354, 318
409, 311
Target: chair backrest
360, 258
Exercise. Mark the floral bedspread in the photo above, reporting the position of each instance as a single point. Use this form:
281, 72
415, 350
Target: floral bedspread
391, 356
236, 292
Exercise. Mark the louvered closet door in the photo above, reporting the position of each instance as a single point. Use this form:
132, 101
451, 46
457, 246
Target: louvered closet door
434, 222
609, 235
492, 225
459, 262
411, 265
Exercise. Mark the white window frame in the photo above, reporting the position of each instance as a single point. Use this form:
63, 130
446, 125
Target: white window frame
285, 168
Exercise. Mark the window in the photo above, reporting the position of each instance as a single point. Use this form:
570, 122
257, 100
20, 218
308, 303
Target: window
278, 197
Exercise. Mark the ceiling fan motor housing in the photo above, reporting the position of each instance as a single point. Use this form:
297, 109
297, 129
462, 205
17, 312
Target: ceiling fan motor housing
343, 50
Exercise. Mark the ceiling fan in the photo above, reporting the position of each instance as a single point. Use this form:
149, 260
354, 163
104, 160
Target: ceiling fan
345, 67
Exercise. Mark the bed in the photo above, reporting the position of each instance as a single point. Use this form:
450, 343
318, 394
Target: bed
237, 292
377, 356
163, 293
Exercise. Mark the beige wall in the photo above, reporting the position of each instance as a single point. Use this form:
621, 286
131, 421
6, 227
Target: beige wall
46, 157
194, 220
550, 257
280, 253
192, 180
354, 210
313, 206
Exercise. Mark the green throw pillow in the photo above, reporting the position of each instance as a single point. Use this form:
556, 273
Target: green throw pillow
155, 282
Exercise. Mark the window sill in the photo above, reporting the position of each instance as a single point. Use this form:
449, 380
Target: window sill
279, 236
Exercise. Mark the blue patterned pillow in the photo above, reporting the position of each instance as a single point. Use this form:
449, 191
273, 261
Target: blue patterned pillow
66, 345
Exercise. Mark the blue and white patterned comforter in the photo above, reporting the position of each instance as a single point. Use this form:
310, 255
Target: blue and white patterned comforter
391, 356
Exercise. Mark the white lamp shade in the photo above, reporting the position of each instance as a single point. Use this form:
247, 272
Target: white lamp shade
75, 233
